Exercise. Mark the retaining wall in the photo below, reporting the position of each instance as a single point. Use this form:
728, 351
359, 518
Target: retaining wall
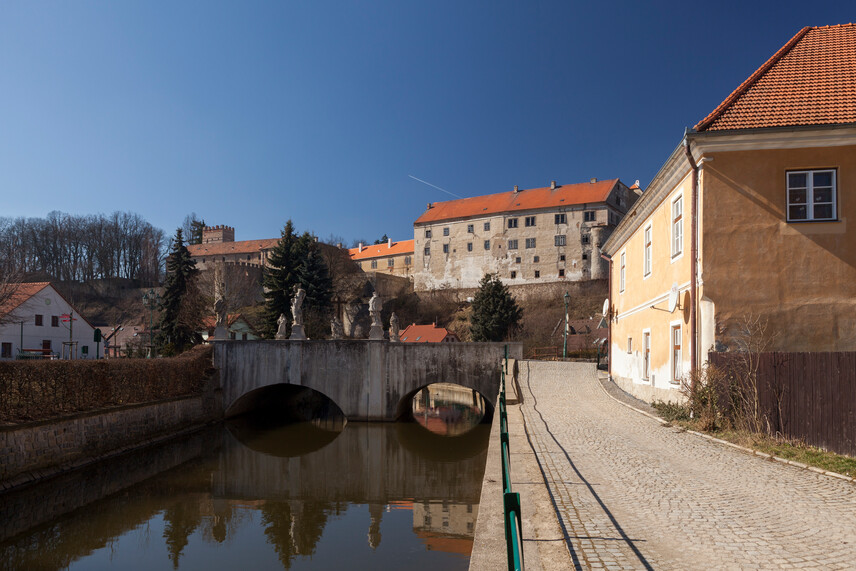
34, 451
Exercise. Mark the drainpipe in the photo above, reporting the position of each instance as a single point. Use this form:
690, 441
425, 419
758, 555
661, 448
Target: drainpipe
607, 317
693, 259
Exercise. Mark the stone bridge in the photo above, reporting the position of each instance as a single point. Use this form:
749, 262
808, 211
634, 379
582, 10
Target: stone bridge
368, 380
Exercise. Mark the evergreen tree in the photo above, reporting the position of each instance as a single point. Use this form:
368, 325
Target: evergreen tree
495, 312
181, 302
383, 240
196, 228
314, 277
281, 275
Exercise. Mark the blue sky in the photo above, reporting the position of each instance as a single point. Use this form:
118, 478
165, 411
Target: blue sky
250, 113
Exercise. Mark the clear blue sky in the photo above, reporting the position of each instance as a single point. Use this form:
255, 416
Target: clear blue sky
250, 113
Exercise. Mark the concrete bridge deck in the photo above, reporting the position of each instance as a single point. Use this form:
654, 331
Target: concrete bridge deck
605, 487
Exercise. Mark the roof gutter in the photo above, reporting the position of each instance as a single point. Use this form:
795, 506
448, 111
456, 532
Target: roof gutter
693, 261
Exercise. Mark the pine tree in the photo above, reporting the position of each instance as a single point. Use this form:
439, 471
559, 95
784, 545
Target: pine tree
314, 277
281, 275
180, 309
495, 312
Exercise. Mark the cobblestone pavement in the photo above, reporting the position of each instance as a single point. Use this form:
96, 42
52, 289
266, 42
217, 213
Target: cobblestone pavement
634, 494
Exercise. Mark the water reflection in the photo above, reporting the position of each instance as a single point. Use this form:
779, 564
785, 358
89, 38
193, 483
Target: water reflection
448, 409
371, 496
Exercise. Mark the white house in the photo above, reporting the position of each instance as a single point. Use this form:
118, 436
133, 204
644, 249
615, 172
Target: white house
37, 320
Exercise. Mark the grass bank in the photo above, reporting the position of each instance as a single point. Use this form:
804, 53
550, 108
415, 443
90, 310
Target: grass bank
796, 451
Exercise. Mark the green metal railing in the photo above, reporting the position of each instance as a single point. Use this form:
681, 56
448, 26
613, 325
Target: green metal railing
510, 500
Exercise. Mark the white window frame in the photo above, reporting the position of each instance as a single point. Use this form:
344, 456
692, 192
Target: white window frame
529, 243
560, 240
809, 191
622, 271
647, 237
676, 326
676, 224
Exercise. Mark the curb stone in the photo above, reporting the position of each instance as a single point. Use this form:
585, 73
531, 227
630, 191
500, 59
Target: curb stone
737, 446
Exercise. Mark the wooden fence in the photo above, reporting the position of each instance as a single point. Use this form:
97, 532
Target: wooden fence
807, 396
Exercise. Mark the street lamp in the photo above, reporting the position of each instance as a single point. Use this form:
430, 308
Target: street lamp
151, 301
565, 347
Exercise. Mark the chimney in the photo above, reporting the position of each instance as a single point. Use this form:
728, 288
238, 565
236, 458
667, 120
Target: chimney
360, 247
593, 180
553, 185
516, 189
389, 242
429, 206
339, 245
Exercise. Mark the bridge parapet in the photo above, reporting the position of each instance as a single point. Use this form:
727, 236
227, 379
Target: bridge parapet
368, 380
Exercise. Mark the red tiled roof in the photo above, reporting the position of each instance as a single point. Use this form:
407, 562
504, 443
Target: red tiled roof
224, 248
565, 195
382, 250
23, 292
425, 334
811, 80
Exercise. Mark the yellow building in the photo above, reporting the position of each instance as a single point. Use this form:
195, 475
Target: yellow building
746, 223
394, 258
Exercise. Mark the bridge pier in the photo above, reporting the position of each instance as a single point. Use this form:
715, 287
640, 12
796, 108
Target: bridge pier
368, 380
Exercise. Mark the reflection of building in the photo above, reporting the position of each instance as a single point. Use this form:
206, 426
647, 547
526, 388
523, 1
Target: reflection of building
445, 526
39, 322
394, 258
427, 334
448, 409
526, 236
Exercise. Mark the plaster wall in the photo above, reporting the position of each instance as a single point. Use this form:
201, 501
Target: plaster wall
800, 276
368, 380
402, 265
462, 267
47, 303
642, 305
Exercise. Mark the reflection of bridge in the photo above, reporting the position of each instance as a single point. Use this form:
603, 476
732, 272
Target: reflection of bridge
372, 463
368, 380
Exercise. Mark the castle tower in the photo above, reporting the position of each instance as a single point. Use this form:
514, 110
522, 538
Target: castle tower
218, 234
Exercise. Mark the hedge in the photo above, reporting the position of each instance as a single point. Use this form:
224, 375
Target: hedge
37, 390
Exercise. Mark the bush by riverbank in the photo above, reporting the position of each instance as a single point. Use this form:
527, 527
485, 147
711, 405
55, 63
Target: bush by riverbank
40, 390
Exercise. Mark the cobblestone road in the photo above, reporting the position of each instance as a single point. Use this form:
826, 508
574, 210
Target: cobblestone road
634, 494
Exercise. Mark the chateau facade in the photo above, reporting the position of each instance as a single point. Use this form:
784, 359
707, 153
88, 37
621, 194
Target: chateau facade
526, 236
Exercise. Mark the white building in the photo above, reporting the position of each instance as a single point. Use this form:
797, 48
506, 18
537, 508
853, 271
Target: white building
37, 320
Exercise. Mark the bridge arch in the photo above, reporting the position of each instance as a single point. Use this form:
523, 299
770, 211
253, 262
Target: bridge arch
404, 409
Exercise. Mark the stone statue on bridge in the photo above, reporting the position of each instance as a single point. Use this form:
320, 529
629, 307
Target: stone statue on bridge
220, 327
297, 332
375, 305
281, 324
394, 328
337, 330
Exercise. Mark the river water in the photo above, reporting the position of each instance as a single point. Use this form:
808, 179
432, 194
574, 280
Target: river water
247, 496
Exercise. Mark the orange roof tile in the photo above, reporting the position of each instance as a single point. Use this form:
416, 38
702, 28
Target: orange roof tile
425, 334
811, 80
23, 292
382, 250
531, 199
224, 248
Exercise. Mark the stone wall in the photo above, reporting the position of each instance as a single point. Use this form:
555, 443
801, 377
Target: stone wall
38, 450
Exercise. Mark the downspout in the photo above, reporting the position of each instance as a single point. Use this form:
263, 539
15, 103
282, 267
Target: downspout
693, 261
607, 316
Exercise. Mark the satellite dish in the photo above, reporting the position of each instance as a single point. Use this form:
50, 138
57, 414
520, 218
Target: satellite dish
673, 297
605, 307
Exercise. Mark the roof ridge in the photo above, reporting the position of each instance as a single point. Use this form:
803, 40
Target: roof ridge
743, 87
504, 192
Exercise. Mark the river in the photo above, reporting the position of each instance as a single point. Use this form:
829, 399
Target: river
244, 495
